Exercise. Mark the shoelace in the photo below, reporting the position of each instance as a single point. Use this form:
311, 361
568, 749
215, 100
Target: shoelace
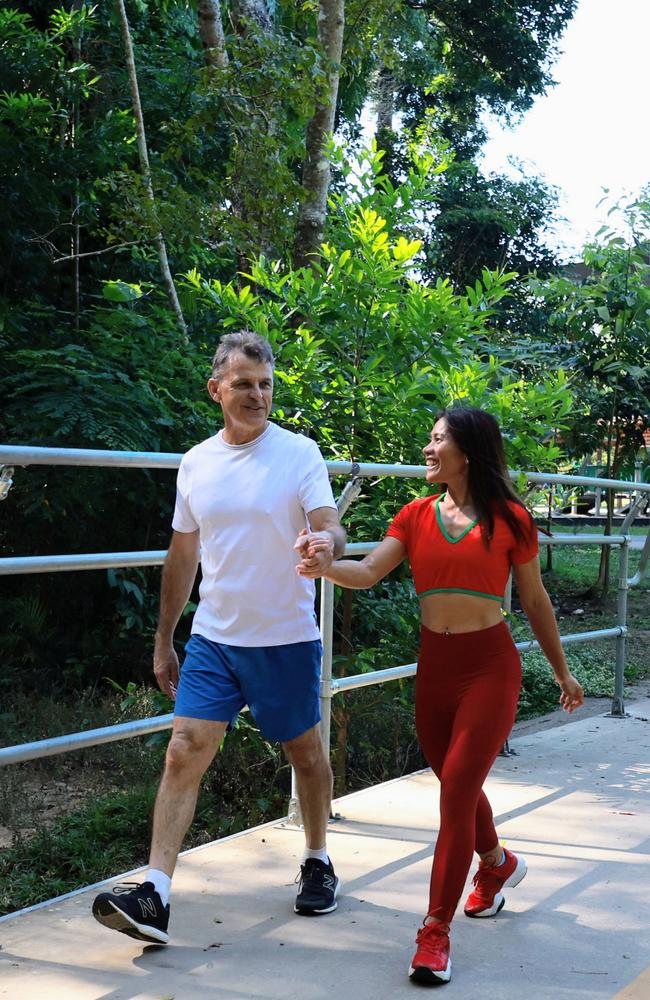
309, 873
487, 877
433, 930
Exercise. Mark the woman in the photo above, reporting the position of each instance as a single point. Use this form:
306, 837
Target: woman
461, 545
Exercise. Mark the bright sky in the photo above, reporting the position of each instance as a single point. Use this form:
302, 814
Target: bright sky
592, 130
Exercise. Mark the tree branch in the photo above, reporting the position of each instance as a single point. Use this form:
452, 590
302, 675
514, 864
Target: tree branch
144, 164
97, 253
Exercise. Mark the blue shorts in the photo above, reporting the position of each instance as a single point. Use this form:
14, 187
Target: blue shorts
280, 685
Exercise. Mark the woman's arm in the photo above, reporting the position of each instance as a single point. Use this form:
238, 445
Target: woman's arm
539, 611
350, 573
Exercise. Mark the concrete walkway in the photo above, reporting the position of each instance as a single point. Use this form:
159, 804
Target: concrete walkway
574, 801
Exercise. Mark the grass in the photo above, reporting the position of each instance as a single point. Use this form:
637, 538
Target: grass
79, 818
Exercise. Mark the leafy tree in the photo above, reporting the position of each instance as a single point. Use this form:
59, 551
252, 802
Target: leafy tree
601, 328
490, 222
439, 66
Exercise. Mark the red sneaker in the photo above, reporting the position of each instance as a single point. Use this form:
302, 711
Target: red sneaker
487, 899
431, 963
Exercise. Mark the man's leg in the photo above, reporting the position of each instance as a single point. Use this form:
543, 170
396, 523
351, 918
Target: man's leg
318, 883
314, 780
142, 911
192, 747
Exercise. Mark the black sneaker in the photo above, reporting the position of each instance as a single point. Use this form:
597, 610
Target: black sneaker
135, 910
318, 888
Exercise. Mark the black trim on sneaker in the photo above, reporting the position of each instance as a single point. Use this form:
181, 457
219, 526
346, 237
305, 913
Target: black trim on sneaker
318, 888
427, 977
135, 910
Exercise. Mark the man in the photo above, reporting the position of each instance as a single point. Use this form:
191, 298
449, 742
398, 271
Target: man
243, 496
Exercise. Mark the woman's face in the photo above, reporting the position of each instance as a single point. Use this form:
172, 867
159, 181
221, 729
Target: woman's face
445, 461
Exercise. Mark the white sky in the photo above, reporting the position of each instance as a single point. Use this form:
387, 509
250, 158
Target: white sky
592, 130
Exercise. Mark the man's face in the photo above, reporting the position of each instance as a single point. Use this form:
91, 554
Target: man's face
245, 393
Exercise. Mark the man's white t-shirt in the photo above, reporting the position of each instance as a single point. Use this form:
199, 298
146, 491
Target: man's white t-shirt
249, 502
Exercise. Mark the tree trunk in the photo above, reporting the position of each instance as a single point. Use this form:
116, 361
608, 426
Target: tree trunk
316, 170
385, 135
144, 165
246, 193
75, 243
211, 32
600, 588
255, 11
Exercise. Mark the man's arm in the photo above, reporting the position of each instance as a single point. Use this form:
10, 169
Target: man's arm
324, 523
179, 572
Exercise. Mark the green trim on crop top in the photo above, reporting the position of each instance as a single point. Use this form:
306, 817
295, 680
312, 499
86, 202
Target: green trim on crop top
441, 525
459, 590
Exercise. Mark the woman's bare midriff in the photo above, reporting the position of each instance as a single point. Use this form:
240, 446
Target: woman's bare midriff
459, 612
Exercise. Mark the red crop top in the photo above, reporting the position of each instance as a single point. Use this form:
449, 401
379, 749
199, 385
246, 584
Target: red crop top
463, 565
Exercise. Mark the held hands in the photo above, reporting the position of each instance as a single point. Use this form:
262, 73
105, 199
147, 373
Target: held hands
165, 667
316, 549
572, 696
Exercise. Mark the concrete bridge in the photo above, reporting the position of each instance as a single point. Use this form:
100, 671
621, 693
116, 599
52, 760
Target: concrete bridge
574, 801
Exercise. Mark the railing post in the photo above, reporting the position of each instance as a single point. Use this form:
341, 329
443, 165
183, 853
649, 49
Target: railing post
348, 496
327, 636
294, 817
618, 707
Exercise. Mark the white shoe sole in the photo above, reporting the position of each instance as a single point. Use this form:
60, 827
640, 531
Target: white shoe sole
499, 899
426, 976
120, 921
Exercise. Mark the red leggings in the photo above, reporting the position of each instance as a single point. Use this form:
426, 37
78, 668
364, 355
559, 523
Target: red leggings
466, 693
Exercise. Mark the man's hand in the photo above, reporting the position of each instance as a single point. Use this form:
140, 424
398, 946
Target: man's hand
165, 667
316, 550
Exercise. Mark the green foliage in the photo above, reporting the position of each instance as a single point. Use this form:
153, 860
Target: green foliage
602, 325
540, 693
367, 352
489, 222
107, 835
453, 58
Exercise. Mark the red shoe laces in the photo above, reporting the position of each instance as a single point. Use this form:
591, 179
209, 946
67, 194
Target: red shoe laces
432, 930
487, 877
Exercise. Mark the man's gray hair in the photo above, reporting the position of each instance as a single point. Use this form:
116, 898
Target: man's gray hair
252, 345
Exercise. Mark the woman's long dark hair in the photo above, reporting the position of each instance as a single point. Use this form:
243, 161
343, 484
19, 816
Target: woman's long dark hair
477, 435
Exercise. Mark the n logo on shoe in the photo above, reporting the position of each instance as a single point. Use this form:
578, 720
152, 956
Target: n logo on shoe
148, 907
328, 881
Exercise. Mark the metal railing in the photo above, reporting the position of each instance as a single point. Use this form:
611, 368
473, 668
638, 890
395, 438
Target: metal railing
12, 456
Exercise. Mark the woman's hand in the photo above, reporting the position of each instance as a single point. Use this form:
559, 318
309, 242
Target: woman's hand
316, 549
572, 696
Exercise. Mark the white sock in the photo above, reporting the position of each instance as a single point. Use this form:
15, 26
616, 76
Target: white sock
162, 884
317, 852
503, 858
